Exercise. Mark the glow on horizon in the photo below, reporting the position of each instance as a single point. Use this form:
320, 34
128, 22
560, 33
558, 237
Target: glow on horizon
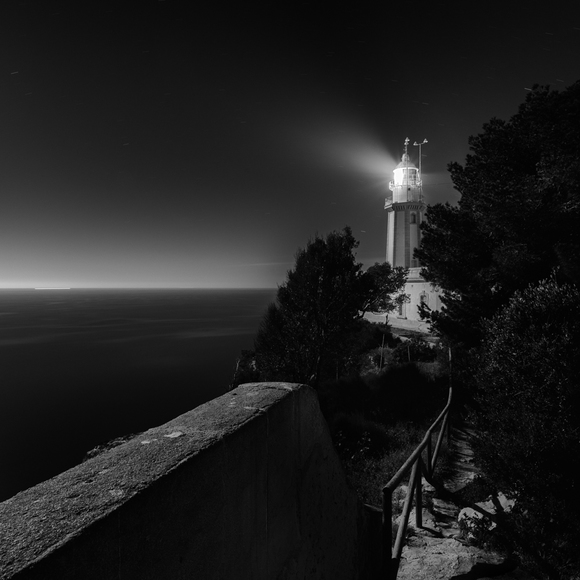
106, 271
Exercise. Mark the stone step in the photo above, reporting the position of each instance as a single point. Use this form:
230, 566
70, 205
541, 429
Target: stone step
445, 510
438, 551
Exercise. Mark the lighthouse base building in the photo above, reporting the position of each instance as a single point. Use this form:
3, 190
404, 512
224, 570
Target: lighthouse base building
419, 292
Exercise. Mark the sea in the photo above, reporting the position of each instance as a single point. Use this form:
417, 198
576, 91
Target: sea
80, 367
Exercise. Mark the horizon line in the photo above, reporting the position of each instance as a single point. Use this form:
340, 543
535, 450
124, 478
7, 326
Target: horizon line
138, 288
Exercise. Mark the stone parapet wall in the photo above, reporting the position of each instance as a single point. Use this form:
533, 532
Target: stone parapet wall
246, 486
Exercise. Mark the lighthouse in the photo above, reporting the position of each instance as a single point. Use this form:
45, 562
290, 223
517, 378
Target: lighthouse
405, 209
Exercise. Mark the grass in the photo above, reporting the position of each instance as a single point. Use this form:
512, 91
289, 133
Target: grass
368, 471
378, 420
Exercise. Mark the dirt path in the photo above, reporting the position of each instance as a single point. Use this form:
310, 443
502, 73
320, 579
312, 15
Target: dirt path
437, 551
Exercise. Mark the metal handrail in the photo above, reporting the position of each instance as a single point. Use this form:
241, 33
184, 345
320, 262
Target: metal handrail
418, 467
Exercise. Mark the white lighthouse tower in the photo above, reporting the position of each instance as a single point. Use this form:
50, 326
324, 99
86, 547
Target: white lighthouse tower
405, 208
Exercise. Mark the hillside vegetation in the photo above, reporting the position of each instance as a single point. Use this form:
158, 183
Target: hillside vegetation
507, 260
378, 394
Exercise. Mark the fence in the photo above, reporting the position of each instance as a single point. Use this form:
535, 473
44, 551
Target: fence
418, 468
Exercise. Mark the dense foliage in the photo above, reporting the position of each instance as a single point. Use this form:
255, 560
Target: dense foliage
506, 260
517, 217
528, 418
314, 329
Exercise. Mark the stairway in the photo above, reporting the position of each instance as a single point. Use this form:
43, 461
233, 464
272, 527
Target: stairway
437, 550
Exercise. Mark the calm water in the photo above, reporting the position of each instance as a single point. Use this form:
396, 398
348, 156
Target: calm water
80, 367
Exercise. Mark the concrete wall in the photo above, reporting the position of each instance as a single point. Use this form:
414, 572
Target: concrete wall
245, 486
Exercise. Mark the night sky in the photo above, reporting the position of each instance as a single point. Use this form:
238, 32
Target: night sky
158, 144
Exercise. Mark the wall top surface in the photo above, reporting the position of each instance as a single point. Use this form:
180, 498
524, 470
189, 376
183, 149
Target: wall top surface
38, 520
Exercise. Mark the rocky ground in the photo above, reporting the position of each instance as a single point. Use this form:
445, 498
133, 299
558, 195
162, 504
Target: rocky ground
440, 549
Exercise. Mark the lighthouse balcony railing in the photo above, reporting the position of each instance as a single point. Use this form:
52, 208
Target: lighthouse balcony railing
403, 197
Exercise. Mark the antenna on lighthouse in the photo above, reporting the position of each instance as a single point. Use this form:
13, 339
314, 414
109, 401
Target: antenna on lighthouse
420, 174
406, 169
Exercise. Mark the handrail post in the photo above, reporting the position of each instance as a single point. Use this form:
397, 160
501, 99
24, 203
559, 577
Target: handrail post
450, 391
429, 456
440, 436
387, 531
419, 493
399, 540
448, 425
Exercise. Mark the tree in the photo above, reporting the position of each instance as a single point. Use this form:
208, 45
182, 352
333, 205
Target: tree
528, 417
516, 219
381, 288
310, 327
516, 225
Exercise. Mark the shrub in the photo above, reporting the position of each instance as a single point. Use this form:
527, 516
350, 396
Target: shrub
369, 467
414, 350
345, 395
528, 397
245, 371
404, 391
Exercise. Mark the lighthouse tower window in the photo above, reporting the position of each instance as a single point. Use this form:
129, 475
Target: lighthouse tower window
413, 218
